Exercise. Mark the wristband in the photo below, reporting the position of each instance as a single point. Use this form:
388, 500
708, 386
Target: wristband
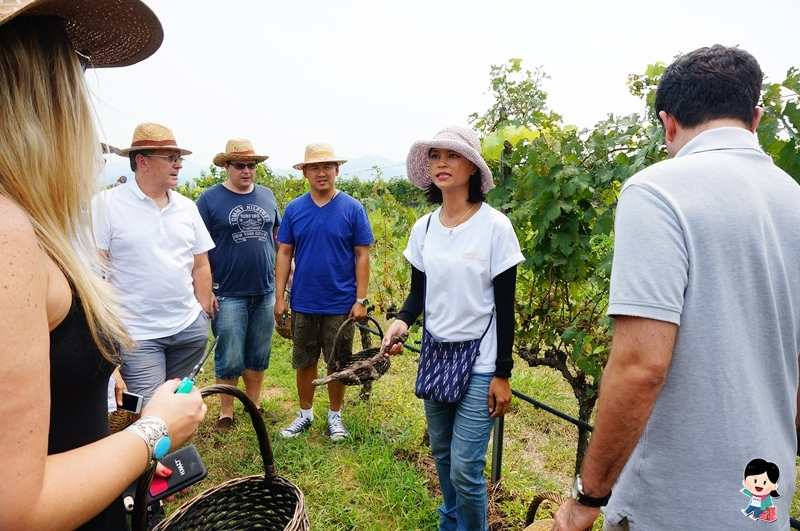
585, 499
155, 434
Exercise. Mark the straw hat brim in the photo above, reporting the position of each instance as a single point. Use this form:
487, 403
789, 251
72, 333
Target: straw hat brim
221, 158
418, 167
125, 152
299, 166
111, 32
108, 148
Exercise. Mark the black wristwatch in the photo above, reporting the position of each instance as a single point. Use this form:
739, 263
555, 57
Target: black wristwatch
584, 499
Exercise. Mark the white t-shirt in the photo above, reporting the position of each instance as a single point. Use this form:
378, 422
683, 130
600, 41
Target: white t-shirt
151, 253
459, 267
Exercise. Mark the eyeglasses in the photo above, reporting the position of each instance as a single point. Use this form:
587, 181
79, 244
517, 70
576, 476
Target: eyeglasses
84, 59
241, 165
171, 158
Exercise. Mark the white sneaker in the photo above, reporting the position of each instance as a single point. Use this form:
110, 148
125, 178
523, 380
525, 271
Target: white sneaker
298, 426
336, 428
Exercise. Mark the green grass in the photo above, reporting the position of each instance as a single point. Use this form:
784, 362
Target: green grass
373, 480
382, 478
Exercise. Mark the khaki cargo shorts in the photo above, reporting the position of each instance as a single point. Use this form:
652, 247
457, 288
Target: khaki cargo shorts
314, 334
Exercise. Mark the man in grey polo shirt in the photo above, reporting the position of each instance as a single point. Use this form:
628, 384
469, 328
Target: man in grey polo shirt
696, 418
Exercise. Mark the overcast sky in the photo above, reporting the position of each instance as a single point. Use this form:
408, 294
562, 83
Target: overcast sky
372, 77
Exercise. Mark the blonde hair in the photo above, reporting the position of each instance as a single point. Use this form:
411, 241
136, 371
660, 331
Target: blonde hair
50, 160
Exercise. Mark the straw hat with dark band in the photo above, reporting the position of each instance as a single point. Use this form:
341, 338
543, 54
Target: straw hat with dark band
109, 32
318, 152
238, 149
152, 136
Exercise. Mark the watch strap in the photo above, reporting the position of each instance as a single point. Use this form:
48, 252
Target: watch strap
585, 499
155, 434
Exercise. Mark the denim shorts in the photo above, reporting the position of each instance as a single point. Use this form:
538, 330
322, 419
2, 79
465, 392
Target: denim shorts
243, 327
313, 334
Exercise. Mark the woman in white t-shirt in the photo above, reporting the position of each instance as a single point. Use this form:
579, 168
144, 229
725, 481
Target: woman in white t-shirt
463, 259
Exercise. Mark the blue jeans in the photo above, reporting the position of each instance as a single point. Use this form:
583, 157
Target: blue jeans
755, 511
459, 439
154, 361
244, 327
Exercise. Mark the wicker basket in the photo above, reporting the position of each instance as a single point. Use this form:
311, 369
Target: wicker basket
284, 326
265, 501
364, 375
119, 420
547, 523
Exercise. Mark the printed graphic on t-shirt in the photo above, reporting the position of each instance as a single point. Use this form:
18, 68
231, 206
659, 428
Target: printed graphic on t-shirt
761, 486
474, 255
250, 219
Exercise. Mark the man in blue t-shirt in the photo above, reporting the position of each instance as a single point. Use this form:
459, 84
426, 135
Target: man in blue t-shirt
243, 220
328, 234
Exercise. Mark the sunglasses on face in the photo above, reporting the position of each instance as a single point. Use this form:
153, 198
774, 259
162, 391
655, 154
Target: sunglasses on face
241, 165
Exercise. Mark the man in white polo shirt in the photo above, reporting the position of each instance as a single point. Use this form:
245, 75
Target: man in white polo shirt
157, 247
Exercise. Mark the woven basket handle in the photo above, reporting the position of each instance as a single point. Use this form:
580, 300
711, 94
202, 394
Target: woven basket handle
264, 445
537, 501
341, 327
139, 517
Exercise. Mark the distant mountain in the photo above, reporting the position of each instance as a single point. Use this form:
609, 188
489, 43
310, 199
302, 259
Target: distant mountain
191, 170
115, 168
362, 167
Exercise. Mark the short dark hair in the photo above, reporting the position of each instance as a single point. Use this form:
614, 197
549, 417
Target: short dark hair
434, 194
132, 157
709, 84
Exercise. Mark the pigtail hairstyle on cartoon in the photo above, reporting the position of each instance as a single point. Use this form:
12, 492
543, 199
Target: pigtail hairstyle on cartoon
756, 467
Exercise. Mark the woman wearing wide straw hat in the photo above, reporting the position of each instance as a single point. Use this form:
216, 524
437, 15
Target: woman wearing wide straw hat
463, 275
60, 468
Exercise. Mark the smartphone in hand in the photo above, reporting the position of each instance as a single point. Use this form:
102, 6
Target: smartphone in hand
187, 469
131, 402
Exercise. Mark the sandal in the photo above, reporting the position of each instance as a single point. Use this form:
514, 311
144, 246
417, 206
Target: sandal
224, 424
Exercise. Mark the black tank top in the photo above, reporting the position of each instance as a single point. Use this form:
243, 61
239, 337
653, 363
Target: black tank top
78, 401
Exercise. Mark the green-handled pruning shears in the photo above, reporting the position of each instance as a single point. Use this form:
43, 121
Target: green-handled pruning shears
188, 382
